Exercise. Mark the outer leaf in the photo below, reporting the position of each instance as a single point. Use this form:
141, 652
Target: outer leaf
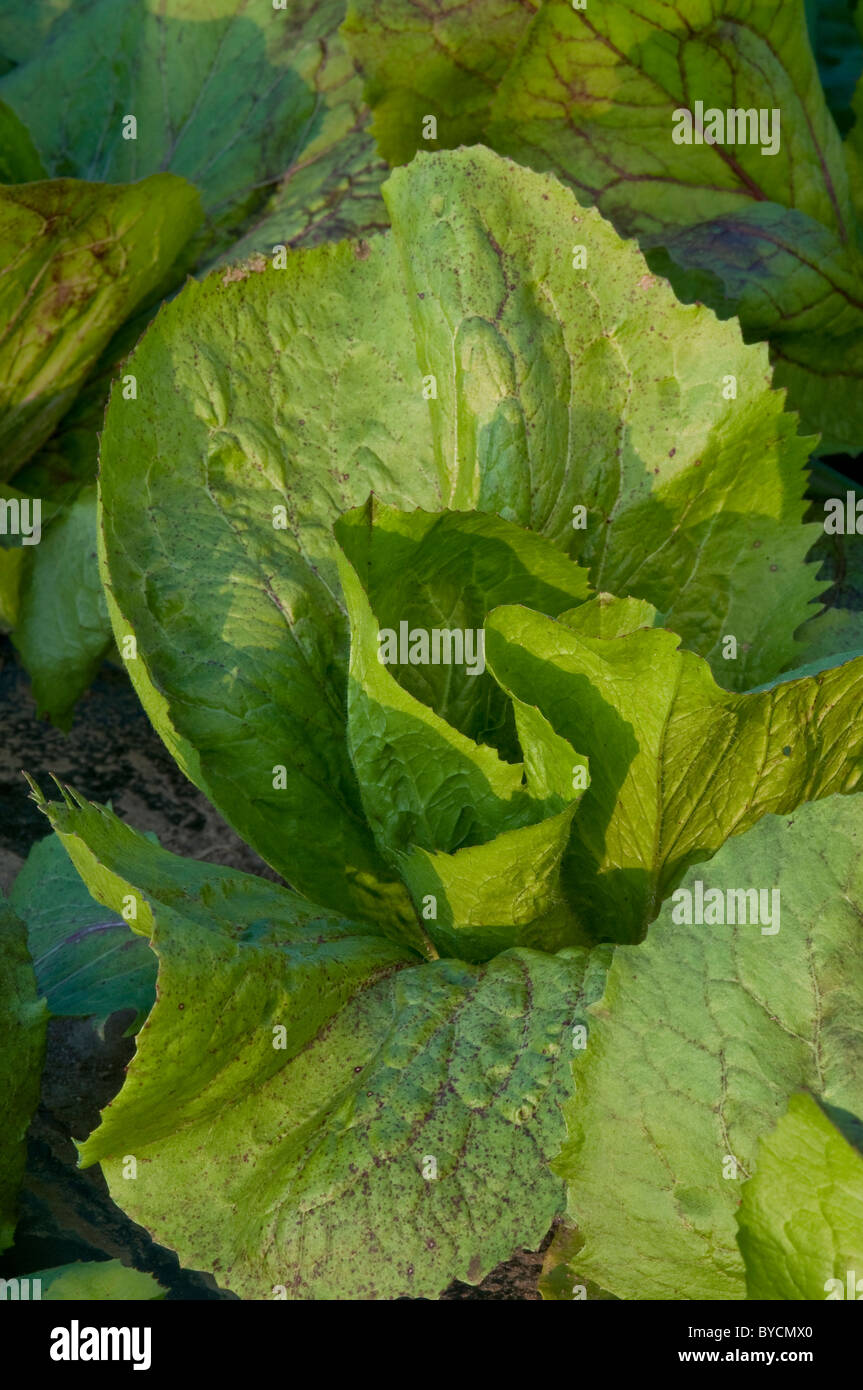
24, 24
443, 60
335, 1141
778, 229
838, 627
824, 377
65, 629
560, 1279
559, 387
19, 162
231, 94
22, 1048
301, 1165
88, 961
301, 388
677, 764
69, 459
332, 188
11, 564
63, 632
703, 1034
854, 143
801, 1218
77, 258
114, 860
242, 658
836, 43
591, 94
101, 1281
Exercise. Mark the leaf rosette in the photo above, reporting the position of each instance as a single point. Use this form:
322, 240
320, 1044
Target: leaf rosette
353, 1086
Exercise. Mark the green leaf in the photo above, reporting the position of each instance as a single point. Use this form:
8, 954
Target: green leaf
289, 395
854, 140
778, 233
559, 388
69, 458
445, 571
486, 898
593, 95
801, 1216
333, 187
836, 43
88, 962
62, 631
702, 1036
560, 1279
19, 162
824, 380
86, 1281
242, 661
22, 1049
114, 861
677, 764
78, 258
296, 1077
608, 616
235, 97
444, 62
24, 24
838, 627
422, 782
11, 565
57, 595
478, 841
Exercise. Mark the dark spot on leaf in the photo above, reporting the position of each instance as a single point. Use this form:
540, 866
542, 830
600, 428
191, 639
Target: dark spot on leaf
787, 751
362, 250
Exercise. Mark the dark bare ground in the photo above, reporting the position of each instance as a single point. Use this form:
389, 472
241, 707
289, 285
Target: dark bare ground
113, 755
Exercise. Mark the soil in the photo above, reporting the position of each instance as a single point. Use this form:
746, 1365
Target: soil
112, 755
